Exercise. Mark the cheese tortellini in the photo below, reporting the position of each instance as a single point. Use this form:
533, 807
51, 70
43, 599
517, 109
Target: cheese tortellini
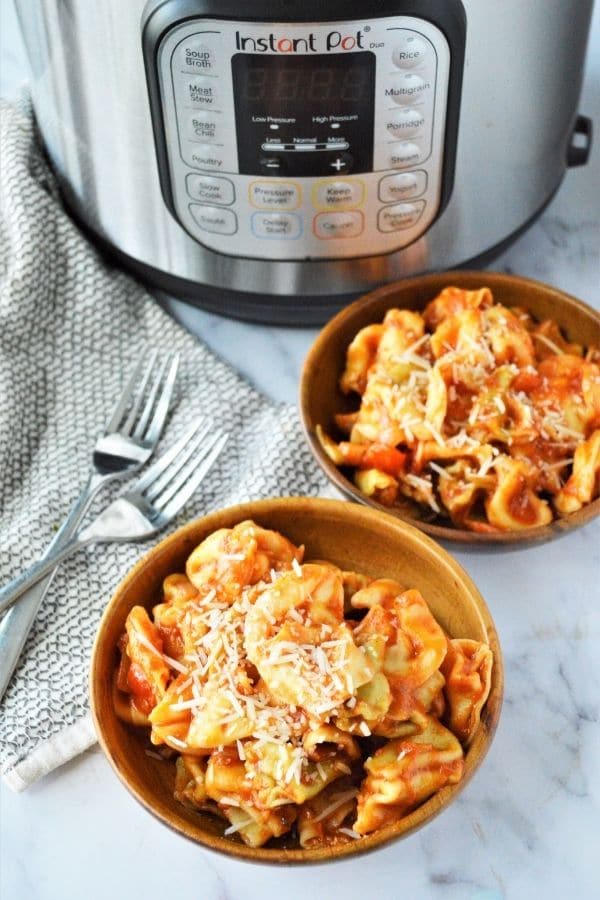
473, 411
298, 698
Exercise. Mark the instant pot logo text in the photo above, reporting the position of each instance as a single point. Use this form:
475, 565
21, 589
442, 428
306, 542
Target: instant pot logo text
310, 43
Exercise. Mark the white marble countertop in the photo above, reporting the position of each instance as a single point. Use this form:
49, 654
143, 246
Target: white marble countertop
528, 824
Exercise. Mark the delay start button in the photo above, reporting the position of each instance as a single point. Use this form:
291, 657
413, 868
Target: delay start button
338, 225
276, 225
338, 194
274, 194
402, 215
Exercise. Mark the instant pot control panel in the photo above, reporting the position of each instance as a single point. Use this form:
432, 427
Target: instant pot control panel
301, 141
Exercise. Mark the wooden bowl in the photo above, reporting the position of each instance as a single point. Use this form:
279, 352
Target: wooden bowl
349, 535
321, 397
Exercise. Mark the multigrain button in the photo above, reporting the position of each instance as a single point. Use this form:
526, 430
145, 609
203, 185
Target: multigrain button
199, 91
211, 218
209, 189
406, 87
338, 194
402, 215
274, 195
203, 156
404, 122
338, 225
410, 50
402, 186
276, 225
404, 153
203, 126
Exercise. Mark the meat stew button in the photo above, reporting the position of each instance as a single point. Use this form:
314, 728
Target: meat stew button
402, 215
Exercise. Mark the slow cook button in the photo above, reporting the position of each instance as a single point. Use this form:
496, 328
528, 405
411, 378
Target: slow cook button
276, 225
405, 153
410, 50
209, 189
404, 122
338, 225
406, 87
402, 186
194, 54
403, 215
203, 126
274, 195
338, 194
200, 91
203, 156
211, 218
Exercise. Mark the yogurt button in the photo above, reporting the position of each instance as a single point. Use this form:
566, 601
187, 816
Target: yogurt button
402, 186
410, 50
211, 218
402, 215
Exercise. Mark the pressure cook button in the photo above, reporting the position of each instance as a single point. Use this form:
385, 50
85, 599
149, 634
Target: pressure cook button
200, 91
195, 55
338, 194
404, 122
406, 87
405, 153
203, 126
276, 225
410, 50
211, 218
338, 225
402, 215
203, 156
402, 186
209, 189
274, 194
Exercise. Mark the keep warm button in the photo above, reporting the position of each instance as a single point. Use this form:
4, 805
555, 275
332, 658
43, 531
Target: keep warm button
402, 215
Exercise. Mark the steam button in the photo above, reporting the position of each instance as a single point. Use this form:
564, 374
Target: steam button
405, 153
214, 219
400, 216
411, 49
405, 88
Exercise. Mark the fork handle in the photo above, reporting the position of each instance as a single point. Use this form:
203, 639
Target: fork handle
18, 621
15, 588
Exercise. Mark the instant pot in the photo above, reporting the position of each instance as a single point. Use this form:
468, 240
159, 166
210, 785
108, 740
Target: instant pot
271, 160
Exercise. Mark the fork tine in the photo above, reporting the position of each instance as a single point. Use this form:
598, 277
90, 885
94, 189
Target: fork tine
162, 407
160, 483
167, 458
124, 399
189, 486
143, 419
139, 396
178, 474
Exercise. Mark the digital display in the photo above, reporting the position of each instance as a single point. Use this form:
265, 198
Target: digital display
304, 115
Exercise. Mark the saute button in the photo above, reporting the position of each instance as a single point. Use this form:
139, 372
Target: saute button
203, 156
203, 126
404, 122
195, 55
209, 189
211, 218
276, 225
338, 194
406, 87
404, 153
402, 186
338, 225
410, 50
402, 215
200, 91
274, 194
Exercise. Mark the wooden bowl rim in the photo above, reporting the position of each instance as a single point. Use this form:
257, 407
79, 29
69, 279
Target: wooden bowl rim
346, 513
510, 540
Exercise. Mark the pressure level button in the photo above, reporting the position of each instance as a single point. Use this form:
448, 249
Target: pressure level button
410, 50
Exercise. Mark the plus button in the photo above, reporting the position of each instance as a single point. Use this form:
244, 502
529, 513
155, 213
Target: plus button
338, 164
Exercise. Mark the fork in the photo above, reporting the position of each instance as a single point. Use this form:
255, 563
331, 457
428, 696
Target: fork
127, 442
143, 511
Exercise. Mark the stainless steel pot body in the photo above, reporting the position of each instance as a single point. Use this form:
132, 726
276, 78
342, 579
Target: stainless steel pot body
522, 76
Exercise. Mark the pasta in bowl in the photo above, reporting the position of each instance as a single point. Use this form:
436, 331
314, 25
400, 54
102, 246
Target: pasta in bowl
468, 403
272, 702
